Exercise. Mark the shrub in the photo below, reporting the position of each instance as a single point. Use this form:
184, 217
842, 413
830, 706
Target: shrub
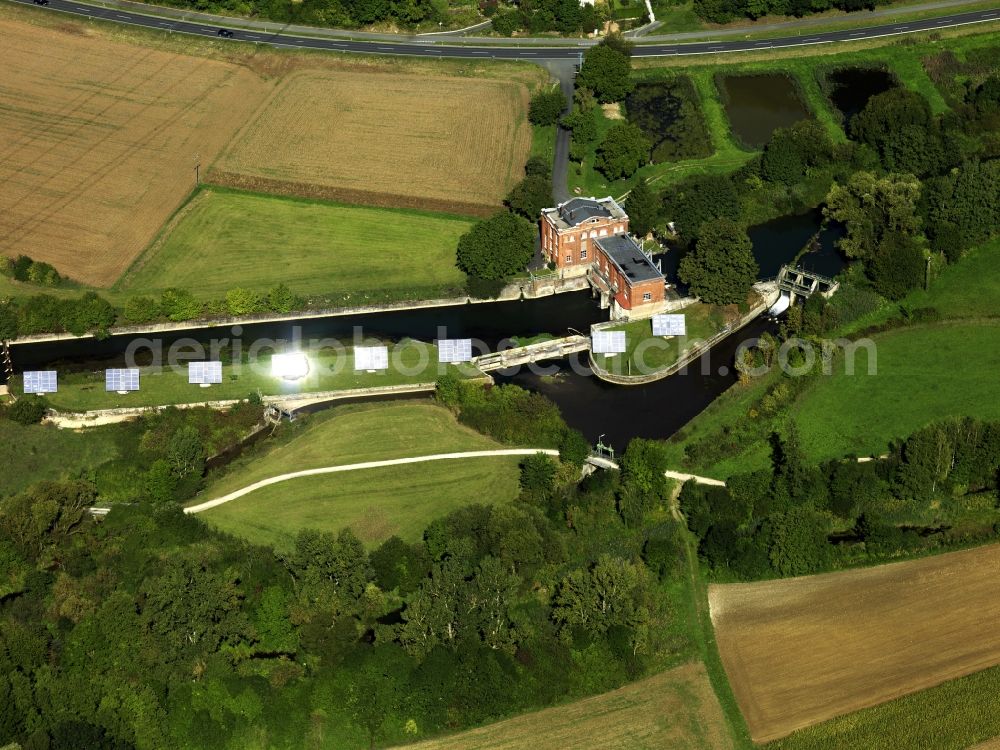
546, 107
27, 410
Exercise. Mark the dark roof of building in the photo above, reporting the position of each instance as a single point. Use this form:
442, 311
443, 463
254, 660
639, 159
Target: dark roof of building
628, 256
577, 210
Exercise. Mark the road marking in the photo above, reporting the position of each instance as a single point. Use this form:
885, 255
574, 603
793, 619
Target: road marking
901, 28
717, 46
763, 44
858, 33
127, 18
813, 39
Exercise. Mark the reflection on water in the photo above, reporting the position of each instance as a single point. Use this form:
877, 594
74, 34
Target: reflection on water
759, 104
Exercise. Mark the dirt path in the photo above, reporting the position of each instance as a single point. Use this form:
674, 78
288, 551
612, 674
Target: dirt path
364, 465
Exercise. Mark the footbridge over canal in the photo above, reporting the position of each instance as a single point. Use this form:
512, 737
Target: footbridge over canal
542, 350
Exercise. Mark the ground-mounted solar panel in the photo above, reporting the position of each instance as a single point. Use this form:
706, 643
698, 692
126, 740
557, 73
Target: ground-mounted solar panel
455, 350
608, 342
205, 373
121, 380
371, 358
669, 325
40, 381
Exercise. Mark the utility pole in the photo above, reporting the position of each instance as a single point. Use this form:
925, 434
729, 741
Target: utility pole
197, 175
927, 275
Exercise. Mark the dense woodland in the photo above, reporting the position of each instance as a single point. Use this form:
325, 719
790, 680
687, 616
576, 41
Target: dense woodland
147, 629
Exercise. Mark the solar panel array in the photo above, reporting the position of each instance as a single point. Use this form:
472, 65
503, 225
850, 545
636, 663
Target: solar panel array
669, 325
205, 373
121, 379
608, 342
454, 350
40, 381
371, 358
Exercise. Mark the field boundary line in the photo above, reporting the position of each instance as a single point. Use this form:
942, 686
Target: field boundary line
364, 465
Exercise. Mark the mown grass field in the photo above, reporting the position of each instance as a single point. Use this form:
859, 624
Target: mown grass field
801, 651
101, 139
225, 239
924, 373
353, 434
375, 503
675, 709
410, 362
386, 138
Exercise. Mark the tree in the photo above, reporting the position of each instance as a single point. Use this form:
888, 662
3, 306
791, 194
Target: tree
186, 452
90, 314
546, 106
329, 570
607, 72
797, 541
624, 149
179, 304
695, 200
643, 207
530, 196
497, 248
794, 149
899, 125
721, 268
141, 310
574, 448
611, 592
583, 130
9, 323
537, 166
538, 473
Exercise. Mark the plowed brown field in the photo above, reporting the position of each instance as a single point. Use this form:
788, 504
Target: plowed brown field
674, 710
99, 140
803, 650
386, 138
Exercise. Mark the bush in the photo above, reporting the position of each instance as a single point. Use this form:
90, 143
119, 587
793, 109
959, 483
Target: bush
141, 310
27, 410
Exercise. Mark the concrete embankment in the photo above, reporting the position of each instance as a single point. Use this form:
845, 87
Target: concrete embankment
80, 420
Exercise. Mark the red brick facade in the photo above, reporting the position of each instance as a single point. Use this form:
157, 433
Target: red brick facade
629, 295
568, 245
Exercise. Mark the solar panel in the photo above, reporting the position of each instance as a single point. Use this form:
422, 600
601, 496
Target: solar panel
454, 350
669, 325
121, 380
608, 342
40, 381
205, 373
371, 358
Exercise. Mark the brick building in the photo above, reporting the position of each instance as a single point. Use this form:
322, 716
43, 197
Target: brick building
570, 229
627, 275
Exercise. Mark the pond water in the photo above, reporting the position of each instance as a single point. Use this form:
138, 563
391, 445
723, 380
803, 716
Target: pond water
851, 88
758, 104
778, 241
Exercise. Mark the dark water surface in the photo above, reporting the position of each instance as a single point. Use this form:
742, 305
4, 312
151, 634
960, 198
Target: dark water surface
759, 104
851, 88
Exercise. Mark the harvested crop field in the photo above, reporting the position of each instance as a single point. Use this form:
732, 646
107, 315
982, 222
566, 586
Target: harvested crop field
804, 650
675, 709
100, 141
387, 139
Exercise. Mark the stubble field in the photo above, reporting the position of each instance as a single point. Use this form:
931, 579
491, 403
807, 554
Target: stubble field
100, 141
804, 650
387, 139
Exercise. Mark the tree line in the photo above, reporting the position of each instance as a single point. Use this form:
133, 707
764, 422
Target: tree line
936, 489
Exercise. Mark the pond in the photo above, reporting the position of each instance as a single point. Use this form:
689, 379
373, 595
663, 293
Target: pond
758, 104
851, 88
667, 112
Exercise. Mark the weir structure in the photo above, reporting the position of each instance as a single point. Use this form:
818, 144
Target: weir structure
798, 282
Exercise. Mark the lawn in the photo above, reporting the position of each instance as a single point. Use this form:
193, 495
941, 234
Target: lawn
924, 373
375, 503
226, 239
352, 434
410, 362
647, 353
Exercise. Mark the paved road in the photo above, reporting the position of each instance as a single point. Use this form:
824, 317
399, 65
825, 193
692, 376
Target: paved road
365, 465
512, 52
